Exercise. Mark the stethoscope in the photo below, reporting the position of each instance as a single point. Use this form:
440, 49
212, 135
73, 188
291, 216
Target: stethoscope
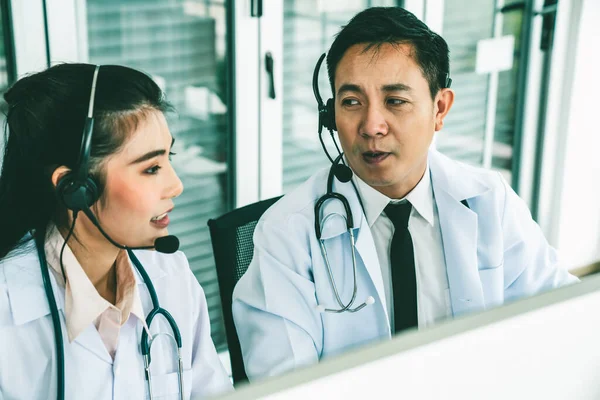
146, 344
331, 195
344, 174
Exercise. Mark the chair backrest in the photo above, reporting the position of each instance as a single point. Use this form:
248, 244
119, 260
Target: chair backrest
233, 247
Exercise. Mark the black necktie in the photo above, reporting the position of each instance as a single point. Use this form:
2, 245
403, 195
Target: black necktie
402, 262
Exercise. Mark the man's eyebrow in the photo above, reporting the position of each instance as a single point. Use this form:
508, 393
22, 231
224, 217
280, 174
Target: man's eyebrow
151, 154
392, 87
396, 87
348, 87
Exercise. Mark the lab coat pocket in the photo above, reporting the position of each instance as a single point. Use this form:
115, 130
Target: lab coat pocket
166, 386
492, 285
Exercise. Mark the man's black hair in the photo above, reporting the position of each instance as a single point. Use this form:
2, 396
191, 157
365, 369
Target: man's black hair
377, 26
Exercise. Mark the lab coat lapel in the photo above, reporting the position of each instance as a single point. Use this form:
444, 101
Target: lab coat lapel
90, 340
29, 302
365, 245
451, 184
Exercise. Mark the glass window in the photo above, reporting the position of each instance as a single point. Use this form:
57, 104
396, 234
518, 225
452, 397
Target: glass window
464, 134
182, 44
508, 94
462, 137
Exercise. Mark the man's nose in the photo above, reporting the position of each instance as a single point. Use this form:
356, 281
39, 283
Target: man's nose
374, 123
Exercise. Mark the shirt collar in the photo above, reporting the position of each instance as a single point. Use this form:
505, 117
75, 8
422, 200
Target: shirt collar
83, 303
421, 198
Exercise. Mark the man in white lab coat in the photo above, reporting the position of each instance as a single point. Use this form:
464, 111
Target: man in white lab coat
434, 238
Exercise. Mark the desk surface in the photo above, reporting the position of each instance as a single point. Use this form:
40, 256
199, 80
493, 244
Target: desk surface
545, 346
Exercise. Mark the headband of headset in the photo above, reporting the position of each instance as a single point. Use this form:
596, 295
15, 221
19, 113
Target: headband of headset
77, 189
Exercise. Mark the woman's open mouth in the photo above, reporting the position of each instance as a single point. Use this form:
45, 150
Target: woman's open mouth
161, 221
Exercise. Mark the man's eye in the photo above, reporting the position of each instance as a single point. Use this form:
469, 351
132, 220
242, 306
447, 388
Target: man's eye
349, 102
153, 170
395, 102
171, 154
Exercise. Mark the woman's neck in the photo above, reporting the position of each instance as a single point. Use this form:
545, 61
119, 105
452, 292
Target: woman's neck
97, 258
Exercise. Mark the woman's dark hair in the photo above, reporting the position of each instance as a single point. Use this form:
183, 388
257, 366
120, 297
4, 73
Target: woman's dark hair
376, 26
44, 126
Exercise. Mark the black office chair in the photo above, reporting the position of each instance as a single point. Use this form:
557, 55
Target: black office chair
232, 240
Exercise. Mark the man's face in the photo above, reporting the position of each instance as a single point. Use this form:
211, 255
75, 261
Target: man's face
386, 117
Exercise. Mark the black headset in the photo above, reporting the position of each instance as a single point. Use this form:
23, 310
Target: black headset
77, 189
327, 110
327, 120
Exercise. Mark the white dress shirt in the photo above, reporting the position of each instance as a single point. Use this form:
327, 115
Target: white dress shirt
433, 294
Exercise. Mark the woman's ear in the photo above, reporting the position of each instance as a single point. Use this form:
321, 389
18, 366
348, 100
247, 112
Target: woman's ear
443, 103
59, 173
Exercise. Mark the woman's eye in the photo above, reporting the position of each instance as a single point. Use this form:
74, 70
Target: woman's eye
153, 170
171, 154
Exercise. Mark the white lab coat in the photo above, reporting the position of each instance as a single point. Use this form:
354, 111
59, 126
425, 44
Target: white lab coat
28, 351
494, 253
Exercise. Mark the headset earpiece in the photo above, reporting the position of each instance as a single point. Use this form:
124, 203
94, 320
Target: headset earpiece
77, 189
326, 110
77, 195
447, 82
327, 115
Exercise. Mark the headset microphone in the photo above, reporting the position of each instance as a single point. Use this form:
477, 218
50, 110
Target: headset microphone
327, 120
342, 172
166, 244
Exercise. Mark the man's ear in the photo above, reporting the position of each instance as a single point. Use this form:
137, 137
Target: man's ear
59, 173
443, 102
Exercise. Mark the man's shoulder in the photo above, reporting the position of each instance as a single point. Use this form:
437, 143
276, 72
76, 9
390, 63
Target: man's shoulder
456, 169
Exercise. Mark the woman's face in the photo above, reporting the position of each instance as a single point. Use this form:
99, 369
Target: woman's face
140, 186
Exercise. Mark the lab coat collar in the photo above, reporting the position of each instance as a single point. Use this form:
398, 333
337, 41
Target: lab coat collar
28, 301
27, 296
24, 283
149, 262
420, 197
454, 178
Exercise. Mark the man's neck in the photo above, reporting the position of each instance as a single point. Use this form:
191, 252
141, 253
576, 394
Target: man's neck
404, 187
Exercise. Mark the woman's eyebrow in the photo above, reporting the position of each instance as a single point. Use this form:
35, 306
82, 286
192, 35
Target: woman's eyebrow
148, 156
151, 154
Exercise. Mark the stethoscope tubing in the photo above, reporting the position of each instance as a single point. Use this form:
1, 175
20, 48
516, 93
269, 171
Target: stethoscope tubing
146, 343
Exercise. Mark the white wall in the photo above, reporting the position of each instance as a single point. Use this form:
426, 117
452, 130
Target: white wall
577, 229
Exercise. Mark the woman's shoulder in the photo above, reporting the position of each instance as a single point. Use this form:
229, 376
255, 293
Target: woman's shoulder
172, 278
167, 269
20, 282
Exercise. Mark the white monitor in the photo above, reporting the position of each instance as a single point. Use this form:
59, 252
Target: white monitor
543, 347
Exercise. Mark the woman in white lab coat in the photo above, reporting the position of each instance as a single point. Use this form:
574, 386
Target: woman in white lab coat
102, 301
